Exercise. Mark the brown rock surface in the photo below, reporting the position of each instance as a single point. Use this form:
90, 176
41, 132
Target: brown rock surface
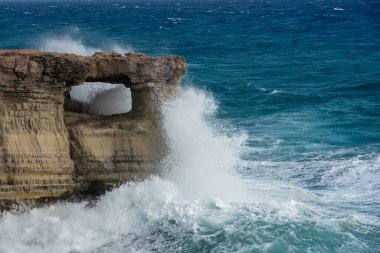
48, 152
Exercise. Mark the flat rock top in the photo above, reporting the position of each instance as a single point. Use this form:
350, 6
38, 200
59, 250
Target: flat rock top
131, 68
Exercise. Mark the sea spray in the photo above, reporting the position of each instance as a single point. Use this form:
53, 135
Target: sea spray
199, 205
66, 44
311, 161
72, 43
202, 161
99, 98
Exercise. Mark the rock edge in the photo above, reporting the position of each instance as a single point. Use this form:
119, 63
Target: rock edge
48, 149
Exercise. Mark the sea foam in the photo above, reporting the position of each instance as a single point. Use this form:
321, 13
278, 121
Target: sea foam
197, 199
199, 203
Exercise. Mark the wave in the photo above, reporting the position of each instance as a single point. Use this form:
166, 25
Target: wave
201, 159
344, 177
199, 204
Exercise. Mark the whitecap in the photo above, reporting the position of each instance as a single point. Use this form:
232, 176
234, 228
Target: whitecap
200, 197
276, 91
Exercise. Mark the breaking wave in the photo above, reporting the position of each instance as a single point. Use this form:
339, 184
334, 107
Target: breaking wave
200, 204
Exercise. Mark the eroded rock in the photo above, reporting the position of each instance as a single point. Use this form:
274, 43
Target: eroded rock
48, 152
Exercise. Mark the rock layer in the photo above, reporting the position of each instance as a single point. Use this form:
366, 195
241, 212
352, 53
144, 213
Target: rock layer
48, 149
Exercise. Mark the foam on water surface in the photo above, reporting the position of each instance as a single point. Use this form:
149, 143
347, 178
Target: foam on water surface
198, 204
299, 174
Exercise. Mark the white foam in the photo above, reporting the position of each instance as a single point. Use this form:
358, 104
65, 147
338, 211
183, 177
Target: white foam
73, 227
353, 180
199, 192
276, 91
202, 159
199, 195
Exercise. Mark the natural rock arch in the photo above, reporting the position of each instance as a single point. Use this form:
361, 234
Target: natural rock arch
47, 151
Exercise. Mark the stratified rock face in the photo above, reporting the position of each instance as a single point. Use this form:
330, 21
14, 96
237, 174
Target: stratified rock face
47, 152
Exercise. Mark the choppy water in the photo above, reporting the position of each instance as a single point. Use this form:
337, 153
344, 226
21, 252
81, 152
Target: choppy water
275, 139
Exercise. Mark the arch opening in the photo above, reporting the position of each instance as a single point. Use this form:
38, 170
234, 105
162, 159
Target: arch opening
98, 98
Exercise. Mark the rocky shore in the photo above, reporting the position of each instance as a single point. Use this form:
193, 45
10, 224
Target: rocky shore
50, 148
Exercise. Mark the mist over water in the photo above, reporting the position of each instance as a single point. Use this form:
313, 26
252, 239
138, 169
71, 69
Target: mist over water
274, 140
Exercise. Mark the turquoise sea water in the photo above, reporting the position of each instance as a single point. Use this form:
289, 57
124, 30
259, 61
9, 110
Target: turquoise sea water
275, 139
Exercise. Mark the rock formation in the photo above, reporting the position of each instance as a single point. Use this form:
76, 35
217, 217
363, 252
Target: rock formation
49, 148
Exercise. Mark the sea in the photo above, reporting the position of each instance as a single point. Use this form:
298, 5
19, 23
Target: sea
274, 141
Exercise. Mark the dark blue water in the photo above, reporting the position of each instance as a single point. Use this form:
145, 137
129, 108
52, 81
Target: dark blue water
301, 79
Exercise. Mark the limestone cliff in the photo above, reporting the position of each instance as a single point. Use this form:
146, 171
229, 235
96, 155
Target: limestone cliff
48, 148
